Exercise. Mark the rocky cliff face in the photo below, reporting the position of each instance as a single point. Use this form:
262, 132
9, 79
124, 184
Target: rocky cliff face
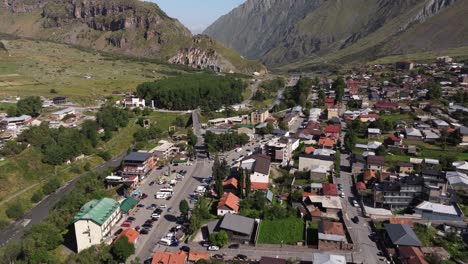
281, 32
128, 26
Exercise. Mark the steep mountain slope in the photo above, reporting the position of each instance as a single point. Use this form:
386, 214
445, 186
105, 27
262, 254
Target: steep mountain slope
126, 26
338, 31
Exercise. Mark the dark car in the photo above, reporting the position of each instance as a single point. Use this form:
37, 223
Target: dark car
355, 219
118, 232
144, 195
130, 219
168, 198
158, 211
241, 257
148, 225
137, 228
151, 183
140, 205
218, 256
185, 248
234, 246
144, 231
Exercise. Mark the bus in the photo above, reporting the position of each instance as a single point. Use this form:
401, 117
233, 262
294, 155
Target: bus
167, 190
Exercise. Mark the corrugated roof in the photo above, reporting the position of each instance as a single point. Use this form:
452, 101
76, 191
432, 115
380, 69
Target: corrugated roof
402, 235
128, 204
138, 156
97, 211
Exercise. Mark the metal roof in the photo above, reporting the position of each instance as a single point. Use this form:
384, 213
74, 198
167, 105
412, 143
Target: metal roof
138, 156
402, 235
97, 211
237, 223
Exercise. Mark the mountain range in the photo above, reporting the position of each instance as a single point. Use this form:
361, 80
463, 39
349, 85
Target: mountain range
131, 27
304, 33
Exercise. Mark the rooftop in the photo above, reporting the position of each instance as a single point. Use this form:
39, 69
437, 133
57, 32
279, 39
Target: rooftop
402, 235
138, 156
237, 223
437, 208
229, 200
97, 211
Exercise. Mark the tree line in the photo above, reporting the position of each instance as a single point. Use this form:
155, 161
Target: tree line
192, 91
224, 142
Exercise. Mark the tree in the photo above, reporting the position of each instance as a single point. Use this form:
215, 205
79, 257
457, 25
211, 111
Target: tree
11, 111
51, 186
30, 105
218, 176
339, 87
15, 210
122, 249
248, 183
349, 140
184, 207
179, 122
240, 183
219, 239
192, 139
380, 151
89, 129
434, 91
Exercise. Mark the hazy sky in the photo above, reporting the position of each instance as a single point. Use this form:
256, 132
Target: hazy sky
197, 14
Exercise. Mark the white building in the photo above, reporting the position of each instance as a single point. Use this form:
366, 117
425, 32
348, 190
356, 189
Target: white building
163, 150
133, 102
59, 115
95, 221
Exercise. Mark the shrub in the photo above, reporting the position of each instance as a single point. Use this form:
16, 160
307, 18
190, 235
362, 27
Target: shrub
51, 186
37, 196
15, 210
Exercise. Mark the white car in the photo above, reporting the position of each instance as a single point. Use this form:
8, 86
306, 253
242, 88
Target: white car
355, 204
213, 248
155, 215
163, 206
342, 195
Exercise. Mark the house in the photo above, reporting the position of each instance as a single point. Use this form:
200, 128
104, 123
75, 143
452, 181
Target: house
228, 204
270, 260
372, 145
259, 116
138, 164
94, 222
195, 256
230, 185
332, 131
385, 105
260, 172
376, 163
59, 115
413, 133
398, 195
373, 133
329, 102
404, 65
329, 189
405, 167
133, 102
319, 173
280, 149
394, 141
411, 255
332, 112
59, 100
239, 228
323, 258
327, 142
461, 166
330, 205
463, 132
457, 180
131, 234
358, 164
401, 235
431, 135
331, 236
179, 257
440, 124
163, 150
314, 114
368, 117
316, 187
307, 162
438, 212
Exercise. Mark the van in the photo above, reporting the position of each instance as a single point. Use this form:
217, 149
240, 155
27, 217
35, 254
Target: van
165, 242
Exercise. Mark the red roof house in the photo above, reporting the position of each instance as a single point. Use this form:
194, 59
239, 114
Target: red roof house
329, 189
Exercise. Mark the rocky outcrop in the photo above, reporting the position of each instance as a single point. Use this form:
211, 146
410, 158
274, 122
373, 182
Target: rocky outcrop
132, 27
281, 32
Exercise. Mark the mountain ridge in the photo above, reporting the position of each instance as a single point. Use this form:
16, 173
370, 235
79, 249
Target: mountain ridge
325, 28
131, 27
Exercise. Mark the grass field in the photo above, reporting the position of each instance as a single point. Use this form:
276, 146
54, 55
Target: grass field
34, 68
286, 231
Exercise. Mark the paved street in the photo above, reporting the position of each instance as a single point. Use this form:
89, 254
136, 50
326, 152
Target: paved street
147, 244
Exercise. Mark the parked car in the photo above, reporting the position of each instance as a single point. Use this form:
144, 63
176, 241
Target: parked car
126, 224
342, 195
355, 219
130, 219
118, 232
213, 248
168, 197
137, 228
218, 256
140, 205
241, 257
151, 183
155, 215
148, 225
169, 209
185, 248
206, 244
144, 231
355, 203
234, 246
163, 206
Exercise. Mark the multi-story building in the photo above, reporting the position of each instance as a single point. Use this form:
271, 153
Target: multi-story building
281, 149
259, 116
398, 195
95, 221
138, 164
163, 150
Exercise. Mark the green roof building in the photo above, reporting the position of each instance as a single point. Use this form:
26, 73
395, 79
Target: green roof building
94, 221
128, 204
